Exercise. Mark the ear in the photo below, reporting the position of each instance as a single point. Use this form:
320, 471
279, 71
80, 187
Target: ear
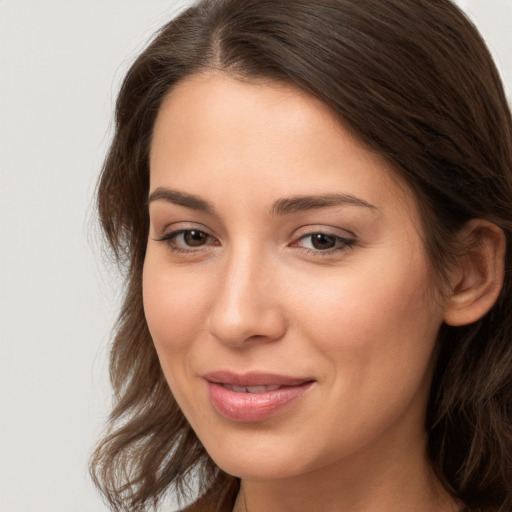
478, 278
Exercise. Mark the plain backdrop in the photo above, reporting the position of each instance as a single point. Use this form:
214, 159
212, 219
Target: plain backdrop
61, 62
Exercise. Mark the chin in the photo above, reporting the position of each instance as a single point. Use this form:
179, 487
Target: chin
264, 467
257, 456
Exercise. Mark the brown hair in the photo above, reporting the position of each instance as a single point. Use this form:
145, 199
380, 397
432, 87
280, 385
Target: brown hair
414, 80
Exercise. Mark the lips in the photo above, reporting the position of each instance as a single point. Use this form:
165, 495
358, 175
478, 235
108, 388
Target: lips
253, 396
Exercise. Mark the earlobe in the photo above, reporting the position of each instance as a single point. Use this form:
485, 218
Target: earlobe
478, 278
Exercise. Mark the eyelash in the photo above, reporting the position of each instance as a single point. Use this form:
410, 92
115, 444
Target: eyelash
341, 243
168, 239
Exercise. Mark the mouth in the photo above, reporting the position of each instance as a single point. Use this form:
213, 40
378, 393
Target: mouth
250, 389
253, 397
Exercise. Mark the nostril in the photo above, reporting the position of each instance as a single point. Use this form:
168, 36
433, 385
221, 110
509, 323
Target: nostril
248, 328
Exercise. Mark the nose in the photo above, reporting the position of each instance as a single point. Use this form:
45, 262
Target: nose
246, 307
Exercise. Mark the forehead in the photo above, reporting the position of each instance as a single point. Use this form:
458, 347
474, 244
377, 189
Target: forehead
215, 131
259, 111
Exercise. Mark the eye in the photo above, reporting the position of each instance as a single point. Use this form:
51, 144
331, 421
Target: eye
320, 242
186, 240
192, 238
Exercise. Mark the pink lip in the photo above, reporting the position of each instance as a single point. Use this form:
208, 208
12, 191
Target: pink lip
251, 407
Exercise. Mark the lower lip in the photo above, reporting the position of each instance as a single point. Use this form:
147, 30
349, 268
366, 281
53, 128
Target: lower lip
253, 406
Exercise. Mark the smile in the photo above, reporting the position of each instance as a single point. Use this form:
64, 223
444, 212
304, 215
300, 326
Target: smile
253, 397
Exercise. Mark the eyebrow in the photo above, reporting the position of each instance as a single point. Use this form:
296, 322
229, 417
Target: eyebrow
301, 203
282, 206
181, 199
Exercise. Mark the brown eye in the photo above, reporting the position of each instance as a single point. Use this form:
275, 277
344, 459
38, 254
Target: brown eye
322, 241
194, 238
188, 240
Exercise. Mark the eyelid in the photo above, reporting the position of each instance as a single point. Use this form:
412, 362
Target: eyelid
170, 233
327, 230
176, 232
336, 237
164, 230
344, 239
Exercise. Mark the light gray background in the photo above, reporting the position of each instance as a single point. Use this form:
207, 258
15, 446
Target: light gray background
61, 62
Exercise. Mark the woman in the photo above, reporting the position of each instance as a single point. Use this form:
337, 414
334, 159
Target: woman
312, 203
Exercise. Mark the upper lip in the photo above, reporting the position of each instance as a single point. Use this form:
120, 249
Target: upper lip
254, 378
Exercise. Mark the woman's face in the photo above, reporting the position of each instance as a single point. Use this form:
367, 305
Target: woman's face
286, 286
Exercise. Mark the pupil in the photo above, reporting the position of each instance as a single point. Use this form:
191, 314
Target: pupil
194, 238
322, 241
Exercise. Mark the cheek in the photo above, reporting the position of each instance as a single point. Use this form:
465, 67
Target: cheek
376, 335
174, 306
377, 321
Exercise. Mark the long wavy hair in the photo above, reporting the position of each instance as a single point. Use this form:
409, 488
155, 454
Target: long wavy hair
415, 82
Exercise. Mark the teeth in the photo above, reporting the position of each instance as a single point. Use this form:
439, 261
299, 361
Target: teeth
261, 389
251, 389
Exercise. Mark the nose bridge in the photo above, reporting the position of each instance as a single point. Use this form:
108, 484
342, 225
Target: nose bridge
245, 306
